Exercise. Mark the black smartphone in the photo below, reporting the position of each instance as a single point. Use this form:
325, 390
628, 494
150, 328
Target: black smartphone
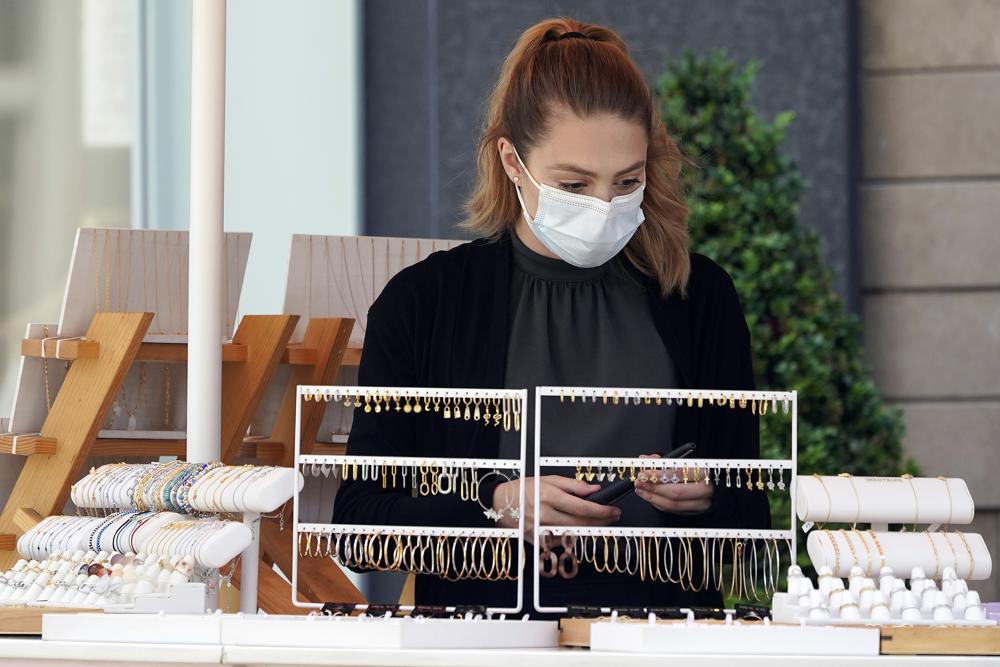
615, 491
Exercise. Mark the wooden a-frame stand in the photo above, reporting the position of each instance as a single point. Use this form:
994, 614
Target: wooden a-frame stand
112, 344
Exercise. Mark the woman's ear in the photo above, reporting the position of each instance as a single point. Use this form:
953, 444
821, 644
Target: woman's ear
508, 159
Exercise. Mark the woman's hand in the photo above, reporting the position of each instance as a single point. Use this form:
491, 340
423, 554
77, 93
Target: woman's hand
692, 498
560, 504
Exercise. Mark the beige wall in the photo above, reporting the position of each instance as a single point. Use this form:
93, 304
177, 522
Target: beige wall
930, 234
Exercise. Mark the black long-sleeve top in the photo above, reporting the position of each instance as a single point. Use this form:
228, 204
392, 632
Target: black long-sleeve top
444, 322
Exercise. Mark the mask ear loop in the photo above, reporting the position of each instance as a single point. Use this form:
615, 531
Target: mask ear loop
517, 188
525, 168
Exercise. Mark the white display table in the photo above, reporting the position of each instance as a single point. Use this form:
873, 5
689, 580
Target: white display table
64, 654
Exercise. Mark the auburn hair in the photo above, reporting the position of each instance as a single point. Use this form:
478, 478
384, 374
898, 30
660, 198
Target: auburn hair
589, 76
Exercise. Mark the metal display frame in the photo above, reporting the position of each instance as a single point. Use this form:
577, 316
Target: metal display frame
326, 393
789, 402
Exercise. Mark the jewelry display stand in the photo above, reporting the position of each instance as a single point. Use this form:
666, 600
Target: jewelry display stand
912, 584
153, 535
67, 385
756, 474
485, 628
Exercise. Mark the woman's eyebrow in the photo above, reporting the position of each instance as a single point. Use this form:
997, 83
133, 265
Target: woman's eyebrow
585, 172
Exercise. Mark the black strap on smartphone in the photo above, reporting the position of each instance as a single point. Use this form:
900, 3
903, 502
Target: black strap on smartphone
615, 491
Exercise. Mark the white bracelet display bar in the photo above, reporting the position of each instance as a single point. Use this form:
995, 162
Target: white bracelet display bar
908, 500
514, 403
760, 402
932, 552
56, 534
255, 489
212, 543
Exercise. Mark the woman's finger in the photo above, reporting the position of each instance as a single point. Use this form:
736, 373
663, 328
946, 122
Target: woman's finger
677, 491
577, 488
565, 502
678, 506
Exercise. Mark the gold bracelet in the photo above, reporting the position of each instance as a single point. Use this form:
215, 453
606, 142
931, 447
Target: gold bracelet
878, 547
868, 551
829, 500
857, 498
968, 550
937, 560
836, 553
850, 547
951, 505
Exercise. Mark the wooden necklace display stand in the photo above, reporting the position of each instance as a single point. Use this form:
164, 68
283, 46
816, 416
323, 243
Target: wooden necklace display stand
113, 342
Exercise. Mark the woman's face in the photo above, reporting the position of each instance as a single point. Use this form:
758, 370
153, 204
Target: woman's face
603, 156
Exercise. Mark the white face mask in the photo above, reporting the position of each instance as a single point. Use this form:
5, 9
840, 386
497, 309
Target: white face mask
582, 230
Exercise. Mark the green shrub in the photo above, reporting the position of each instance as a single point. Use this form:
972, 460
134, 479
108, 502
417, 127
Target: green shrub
744, 214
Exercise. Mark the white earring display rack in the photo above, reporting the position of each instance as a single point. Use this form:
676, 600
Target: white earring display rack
324, 539
368, 394
759, 401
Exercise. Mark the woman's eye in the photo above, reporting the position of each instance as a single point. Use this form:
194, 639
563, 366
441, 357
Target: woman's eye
572, 187
630, 183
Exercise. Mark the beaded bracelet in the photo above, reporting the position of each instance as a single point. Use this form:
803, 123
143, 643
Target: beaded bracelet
185, 490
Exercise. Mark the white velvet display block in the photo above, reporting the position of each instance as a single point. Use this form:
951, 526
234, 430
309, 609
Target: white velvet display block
683, 638
925, 500
901, 551
133, 628
400, 633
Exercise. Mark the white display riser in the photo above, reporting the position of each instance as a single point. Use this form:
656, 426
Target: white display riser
133, 628
683, 638
299, 631
783, 612
386, 633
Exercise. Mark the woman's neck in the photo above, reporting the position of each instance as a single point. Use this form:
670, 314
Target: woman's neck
529, 239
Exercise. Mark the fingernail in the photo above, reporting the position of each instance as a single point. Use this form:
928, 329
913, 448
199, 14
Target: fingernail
618, 513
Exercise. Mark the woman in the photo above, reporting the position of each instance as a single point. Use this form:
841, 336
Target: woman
581, 275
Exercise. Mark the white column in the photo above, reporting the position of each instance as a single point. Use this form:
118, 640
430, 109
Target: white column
205, 331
